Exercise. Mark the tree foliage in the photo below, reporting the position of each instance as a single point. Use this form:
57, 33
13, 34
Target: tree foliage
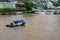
28, 4
56, 4
58, 1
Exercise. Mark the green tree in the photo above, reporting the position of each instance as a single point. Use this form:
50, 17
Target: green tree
28, 4
56, 4
59, 1
45, 7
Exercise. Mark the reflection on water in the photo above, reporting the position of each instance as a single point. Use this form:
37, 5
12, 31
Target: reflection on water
37, 27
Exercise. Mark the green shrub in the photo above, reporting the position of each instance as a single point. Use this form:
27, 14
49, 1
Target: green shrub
1, 10
9, 10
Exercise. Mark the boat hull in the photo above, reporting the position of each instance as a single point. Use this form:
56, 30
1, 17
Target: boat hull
16, 25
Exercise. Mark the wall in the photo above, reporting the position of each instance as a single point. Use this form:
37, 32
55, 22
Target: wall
7, 5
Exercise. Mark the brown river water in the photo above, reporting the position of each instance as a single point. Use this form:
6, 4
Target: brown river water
37, 27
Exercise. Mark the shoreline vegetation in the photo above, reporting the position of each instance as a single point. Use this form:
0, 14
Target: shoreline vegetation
28, 5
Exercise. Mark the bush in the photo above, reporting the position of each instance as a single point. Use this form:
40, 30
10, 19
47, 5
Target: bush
1, 10
9, 10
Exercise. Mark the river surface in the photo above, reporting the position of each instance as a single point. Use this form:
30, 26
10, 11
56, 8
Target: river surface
37, 27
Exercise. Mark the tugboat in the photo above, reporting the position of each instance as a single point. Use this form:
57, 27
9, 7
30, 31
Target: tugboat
16, 23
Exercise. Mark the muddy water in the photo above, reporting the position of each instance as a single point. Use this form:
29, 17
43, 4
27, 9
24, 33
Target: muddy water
37, 27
